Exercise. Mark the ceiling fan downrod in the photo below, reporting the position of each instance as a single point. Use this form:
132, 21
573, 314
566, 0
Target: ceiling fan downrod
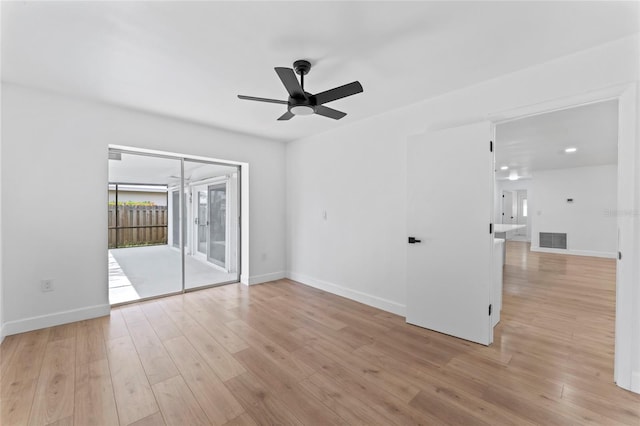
302, 68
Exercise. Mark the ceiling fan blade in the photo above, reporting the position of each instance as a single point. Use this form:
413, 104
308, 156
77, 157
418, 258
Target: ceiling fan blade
286, 116
290, 82
330, 112
253, 98
338, 92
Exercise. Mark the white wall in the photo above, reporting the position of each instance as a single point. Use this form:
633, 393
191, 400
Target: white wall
590, 221
55, 153
513, 185
1, 240
358, 174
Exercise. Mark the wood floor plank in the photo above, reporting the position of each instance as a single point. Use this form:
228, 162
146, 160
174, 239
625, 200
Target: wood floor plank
90, 346
218, 403
242, 420
161, 323
64, 331
344, 404
67, 421
270, 349
113, 325
156, 362
16, 405
19, 380
54, 397
133, 394
381, 377
220, 361
214, 325
260, 403
177, 403
7, 349
94, 399
152, 420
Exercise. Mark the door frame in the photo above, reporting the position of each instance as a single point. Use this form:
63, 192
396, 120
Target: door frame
627, 97
242, 193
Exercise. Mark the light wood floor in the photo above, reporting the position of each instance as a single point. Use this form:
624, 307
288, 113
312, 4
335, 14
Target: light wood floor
284, 353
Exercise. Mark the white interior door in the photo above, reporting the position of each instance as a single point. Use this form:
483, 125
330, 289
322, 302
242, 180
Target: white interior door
449, 209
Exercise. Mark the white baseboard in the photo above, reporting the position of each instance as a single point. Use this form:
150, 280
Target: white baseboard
358, 296
590, 253
635, 382
259, 279
44, 321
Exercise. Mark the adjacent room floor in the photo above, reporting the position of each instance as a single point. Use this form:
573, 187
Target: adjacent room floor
141, 272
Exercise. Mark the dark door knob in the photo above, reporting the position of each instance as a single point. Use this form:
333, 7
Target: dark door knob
413, 240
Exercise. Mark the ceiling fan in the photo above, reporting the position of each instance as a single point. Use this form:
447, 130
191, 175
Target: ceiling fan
304, 103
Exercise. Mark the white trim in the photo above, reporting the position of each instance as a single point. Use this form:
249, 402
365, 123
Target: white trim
50, 320
608, 255
358, 296
635, 382
264, 278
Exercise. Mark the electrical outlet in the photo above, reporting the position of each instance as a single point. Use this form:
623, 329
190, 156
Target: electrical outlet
46, 285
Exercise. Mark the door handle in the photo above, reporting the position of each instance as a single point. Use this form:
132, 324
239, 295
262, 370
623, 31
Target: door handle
413, 240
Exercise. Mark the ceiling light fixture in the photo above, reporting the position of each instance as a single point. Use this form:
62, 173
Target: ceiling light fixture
302, 110
570, 150
513, 175
504, 167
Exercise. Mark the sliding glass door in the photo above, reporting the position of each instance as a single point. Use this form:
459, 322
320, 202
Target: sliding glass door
175, 228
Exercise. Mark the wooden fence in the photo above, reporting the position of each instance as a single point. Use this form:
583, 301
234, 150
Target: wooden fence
137, 226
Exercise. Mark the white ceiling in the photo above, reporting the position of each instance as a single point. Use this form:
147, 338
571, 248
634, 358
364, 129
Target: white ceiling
143, 169
190, 59
538, 142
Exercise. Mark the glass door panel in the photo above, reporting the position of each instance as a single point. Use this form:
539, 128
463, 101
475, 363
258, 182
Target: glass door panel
218, 224
212, 224
144, 207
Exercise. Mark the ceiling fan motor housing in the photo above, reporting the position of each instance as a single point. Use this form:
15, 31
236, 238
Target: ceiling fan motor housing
302, 67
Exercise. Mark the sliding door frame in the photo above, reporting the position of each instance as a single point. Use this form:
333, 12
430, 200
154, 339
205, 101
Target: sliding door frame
183, 214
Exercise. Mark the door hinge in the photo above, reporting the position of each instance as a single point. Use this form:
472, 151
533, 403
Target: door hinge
619, 255
490, 310
491, 228
490, 146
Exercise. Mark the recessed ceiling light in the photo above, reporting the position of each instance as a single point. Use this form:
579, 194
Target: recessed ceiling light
570, 150
504, 167
513, 175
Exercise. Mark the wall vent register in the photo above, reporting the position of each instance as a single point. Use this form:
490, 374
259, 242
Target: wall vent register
554, 240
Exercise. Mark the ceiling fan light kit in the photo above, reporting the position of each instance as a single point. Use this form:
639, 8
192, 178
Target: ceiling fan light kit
304, 103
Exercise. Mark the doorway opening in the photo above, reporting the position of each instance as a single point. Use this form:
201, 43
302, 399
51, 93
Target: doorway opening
557, 174
174, 224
